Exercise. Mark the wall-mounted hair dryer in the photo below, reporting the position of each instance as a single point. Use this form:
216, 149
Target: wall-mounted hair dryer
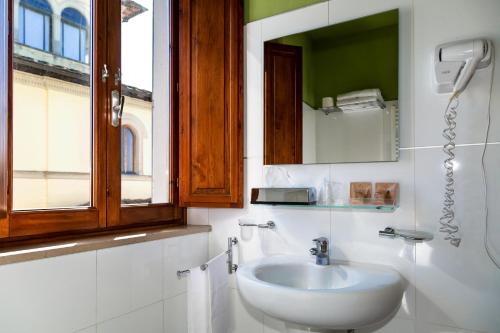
456, 63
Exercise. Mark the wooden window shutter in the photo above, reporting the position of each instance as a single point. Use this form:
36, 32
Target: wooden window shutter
211, 103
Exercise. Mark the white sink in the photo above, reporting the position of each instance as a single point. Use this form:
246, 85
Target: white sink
338, 296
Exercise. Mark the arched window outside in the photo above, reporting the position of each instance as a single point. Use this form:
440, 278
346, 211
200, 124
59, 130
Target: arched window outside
127, 150
35, 24
74, 35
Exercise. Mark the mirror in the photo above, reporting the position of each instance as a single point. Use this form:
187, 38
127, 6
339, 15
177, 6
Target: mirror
331, 94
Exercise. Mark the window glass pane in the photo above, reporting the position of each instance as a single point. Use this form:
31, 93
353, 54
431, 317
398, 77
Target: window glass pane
71, 42
127, 151
20, 25
33, 29
83, 38
145, 140
47, 33
52, 123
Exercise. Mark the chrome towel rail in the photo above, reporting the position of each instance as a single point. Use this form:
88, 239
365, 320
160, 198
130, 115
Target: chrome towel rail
409, 235
185, 272
267, 225
231, 268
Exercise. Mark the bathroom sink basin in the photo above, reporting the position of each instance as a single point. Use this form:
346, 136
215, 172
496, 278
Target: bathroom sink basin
338, 296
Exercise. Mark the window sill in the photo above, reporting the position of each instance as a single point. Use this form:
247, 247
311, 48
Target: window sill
92, 243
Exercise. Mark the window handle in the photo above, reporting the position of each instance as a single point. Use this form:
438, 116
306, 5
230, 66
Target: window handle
117, 104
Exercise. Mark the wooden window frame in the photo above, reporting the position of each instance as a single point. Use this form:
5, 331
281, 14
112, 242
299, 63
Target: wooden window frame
105, 212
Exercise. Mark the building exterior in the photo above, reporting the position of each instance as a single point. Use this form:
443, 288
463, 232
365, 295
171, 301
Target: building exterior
52, 109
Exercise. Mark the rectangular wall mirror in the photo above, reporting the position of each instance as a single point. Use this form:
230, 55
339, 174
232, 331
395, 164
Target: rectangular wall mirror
331, 94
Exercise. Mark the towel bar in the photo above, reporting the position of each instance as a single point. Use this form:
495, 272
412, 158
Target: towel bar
231, 268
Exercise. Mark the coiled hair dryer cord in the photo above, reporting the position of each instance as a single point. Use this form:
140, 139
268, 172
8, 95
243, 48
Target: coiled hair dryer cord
447, 219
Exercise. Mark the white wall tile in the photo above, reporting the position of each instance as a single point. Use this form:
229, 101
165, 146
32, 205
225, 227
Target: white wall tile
437, 22
422, 327
50, 295
246, 319
197, 216
295, 230
225, 224
254, 89
295, 21
272, 325
311, 175
396, 325
355, 233
128, 277
180, 253
175, 314
92, 329
346, 10
145, 320
253, 178
456, 287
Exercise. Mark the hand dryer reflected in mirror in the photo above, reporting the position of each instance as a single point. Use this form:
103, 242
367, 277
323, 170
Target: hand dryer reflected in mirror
331, 94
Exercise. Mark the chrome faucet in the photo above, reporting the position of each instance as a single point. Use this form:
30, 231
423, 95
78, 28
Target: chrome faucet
321, 251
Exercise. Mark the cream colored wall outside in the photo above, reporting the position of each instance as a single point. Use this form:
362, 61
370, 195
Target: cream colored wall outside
68, 128
30, 122
52, 144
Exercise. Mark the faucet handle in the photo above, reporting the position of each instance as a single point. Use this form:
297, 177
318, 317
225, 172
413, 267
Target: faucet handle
321, 244
321, 240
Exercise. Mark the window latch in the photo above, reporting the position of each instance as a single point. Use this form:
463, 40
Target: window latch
117, 103
104, 73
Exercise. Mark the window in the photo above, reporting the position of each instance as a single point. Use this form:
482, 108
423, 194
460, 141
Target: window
74, 35
34, 24
127, 150
64, 164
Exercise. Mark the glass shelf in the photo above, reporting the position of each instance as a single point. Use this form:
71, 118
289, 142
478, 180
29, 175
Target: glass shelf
347, 206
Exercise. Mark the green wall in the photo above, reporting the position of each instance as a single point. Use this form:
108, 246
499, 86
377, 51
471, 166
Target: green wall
350, 56
259, 9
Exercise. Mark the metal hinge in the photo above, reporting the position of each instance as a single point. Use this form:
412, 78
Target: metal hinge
107, 190
118, 77
104, 73
177, 182
177, 86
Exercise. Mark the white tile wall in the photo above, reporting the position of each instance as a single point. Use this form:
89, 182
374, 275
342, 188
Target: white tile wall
448, 20
304, 19
179, 254
126, 289
92, 329
128, 278
245, 318
50, 295
175, 314
449, 290
145, 320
